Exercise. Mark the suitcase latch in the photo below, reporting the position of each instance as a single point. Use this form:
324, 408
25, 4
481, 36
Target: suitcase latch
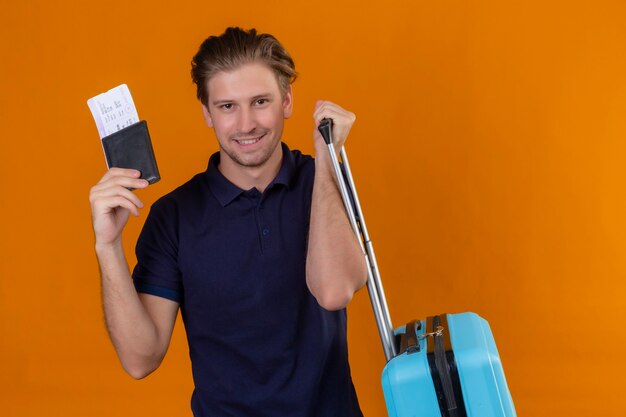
438, 332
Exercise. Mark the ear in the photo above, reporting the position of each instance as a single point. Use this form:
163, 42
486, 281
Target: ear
207, 116
288, 103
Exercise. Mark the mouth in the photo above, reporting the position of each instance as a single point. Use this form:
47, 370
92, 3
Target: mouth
249, 140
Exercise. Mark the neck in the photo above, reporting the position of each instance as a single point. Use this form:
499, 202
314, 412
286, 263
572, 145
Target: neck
251, 177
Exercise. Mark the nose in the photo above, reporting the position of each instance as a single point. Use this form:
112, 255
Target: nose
247, 121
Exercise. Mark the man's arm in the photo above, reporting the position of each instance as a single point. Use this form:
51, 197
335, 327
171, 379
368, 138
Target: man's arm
139, 325
335, 266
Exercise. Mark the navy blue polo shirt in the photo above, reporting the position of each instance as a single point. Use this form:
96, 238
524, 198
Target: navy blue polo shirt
260, 344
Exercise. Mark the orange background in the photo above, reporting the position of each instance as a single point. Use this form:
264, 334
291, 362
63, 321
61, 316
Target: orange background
489, 153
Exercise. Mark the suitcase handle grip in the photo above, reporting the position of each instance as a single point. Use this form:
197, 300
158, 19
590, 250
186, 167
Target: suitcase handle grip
325, 127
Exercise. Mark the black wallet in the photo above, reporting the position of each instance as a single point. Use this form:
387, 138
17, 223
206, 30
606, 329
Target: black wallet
131, 147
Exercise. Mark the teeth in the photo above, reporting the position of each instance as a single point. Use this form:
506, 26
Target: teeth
249, 141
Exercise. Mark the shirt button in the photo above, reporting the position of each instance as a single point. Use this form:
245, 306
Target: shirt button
266, 232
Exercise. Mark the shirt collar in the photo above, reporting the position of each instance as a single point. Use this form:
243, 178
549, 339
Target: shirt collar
287, 168
225, 191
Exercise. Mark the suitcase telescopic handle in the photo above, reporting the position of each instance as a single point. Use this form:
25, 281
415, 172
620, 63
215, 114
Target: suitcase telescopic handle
355, 215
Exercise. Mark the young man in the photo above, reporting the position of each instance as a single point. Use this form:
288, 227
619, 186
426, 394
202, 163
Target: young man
257, 251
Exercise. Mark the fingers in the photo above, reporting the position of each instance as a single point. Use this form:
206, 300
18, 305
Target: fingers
113, 191
110, 197
120, 172
342, 120
330, 110
116, 177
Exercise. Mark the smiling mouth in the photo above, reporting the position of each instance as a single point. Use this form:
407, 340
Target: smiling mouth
249, 141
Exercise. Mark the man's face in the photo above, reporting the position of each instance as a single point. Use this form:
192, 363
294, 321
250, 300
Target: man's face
247, 112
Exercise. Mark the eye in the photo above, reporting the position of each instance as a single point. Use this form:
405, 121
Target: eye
260, 101
226, 106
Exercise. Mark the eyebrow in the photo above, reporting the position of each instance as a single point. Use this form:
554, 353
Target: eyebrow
266, 95
258, 96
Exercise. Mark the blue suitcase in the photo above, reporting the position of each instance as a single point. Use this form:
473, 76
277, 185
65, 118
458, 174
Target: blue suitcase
446, 365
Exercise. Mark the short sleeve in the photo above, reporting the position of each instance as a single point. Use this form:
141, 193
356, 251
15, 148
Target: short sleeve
157, 271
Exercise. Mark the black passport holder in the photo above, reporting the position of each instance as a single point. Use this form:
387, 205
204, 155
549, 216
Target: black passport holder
131, 147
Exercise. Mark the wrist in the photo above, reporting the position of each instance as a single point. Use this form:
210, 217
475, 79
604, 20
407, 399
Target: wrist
105, 249
322, 160
321, 147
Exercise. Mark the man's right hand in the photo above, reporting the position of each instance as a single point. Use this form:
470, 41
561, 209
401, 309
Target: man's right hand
140, 325
112, 202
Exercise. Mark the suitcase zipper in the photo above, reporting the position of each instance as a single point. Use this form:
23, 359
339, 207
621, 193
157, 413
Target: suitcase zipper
443, 369
442, 366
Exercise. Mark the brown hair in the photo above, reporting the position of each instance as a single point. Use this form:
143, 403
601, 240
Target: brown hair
236, 47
